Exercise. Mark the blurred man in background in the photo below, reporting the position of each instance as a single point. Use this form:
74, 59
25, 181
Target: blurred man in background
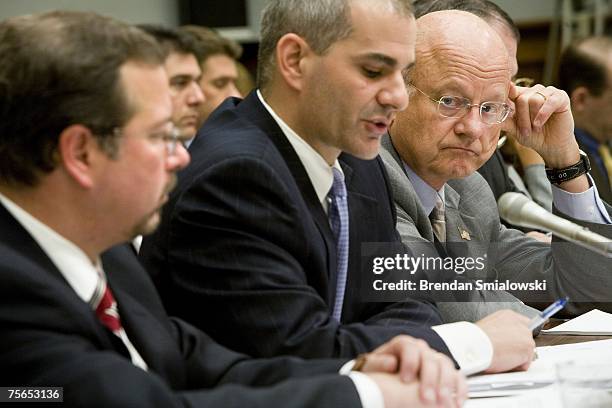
183, 67
585, 73
218, 60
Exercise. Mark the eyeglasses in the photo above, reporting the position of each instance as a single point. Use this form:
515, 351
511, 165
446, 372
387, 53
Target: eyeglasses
491, 113
171, 138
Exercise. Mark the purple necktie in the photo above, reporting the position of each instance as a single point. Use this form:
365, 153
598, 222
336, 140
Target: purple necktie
339, 221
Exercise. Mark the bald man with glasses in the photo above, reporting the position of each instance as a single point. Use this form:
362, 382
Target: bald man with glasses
460, 96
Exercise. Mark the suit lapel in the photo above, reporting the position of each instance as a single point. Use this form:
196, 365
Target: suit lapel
406, 191
133, 290
460, 227
47, 274
252, 108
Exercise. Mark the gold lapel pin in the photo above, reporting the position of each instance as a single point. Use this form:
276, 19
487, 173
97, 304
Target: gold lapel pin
464, 234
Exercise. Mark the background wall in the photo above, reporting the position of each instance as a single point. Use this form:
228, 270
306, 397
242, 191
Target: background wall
166, 11
532, 16
523, 11
132, 11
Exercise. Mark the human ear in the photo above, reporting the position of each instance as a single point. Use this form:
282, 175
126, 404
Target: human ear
292, 57
75, 150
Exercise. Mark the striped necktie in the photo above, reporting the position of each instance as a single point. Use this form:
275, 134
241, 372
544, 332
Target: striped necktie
438, 220
106, 308
339, 222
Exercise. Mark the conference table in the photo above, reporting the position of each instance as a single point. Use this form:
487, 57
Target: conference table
555, 339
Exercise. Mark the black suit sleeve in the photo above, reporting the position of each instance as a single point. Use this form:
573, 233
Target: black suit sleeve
235, 258
48, 337
92, 378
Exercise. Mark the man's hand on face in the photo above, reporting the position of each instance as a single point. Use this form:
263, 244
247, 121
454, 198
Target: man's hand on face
513, 344
439, 383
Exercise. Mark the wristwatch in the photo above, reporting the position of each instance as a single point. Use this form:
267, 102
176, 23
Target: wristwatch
558, 176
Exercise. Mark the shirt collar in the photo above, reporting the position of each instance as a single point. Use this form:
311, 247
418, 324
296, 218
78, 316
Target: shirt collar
426, 193
70, 260
319, 172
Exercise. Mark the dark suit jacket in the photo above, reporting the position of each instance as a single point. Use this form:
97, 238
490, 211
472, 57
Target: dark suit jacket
50, 337
494, 172
245, 235
599, 177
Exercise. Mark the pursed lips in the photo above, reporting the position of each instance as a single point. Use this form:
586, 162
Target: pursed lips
189, 118
461, 148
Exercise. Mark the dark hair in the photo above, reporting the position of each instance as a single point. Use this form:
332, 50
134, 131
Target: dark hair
175, 40
58, 69
583, 63
212, 43
484, 9
320, 23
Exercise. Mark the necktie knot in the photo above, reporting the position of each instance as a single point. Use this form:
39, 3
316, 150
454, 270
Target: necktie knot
338, 188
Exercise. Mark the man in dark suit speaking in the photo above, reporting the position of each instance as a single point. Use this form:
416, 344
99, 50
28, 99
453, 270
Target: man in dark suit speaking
266, 225
88, 155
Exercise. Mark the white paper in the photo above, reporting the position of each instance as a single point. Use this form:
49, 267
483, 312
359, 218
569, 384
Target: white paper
541, 370
547, 397
593, 323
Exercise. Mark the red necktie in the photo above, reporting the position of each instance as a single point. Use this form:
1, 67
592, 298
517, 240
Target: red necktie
107, 311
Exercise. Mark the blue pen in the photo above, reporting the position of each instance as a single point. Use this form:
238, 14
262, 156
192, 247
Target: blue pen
547, 313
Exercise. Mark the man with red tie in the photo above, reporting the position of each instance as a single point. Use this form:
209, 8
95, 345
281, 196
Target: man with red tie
88, 157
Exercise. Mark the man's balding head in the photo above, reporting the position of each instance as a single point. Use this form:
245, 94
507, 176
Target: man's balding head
459, 35
459, 57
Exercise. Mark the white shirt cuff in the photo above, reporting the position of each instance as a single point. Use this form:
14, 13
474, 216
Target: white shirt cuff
347, 367
585, 206
469, 345
369, 392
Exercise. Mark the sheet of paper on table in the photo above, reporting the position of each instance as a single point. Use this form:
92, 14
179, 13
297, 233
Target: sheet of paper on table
541, 373
593, 323
548, 397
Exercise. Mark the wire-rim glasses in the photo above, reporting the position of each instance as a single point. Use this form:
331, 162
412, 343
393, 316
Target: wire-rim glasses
449, 106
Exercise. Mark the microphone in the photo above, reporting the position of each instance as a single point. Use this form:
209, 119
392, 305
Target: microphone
517, 209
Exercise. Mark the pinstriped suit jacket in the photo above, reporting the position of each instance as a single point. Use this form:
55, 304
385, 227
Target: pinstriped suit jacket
244, 235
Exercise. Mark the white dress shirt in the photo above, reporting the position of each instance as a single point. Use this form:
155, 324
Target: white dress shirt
585, 206
82, 275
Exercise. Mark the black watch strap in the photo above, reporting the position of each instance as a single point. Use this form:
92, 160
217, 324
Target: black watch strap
558, 176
